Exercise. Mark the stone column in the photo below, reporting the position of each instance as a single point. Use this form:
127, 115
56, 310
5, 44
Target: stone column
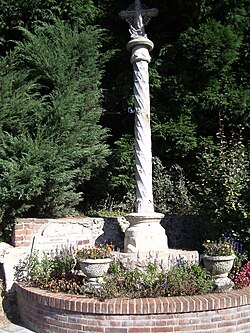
143, 156
145, 232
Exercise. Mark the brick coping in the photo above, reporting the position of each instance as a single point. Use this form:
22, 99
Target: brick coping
142, 306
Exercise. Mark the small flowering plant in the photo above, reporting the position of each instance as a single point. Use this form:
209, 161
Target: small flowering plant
241, 278
217, 248
94, 252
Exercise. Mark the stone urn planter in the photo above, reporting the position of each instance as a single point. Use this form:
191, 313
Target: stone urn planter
219, 267
94, 269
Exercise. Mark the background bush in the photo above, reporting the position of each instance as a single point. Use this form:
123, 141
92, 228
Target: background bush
222, 187
51, 139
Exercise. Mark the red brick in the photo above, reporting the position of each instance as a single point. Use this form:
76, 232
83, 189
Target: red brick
161, 322
230, 316
205, 326
29, 232
184, 328
191, 304
19, 232
116, 330
244, 328
139, 330
94, 329
19, 227
142, 322
34, 304
227, 323
172, 322
225, 330
243, 320
165, 329
111, 306
72, 326
19, 238
183, 322
131, 306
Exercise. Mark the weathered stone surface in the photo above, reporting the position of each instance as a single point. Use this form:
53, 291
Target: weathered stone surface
166, 259
145, 233
4, 247
10, 261
57, 235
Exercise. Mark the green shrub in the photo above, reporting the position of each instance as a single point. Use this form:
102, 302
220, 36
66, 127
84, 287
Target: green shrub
188, 280
39, 268
222, 187
51, 140
169, 188
170, 192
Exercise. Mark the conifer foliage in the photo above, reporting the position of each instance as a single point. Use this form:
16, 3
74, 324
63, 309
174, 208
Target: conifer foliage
51, 141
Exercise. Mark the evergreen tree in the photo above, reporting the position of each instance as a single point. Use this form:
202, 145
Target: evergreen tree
31, 13
51, 139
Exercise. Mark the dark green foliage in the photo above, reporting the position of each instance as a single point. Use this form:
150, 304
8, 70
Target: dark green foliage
113, 190
169, 189
198, 82
222, 187
28, 14
51, 139
122, 180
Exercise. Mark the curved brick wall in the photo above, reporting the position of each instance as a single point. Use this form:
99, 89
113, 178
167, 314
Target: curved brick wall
45, 312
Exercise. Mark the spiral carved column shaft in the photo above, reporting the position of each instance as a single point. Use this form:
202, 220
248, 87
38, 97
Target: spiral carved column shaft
143, 155
145, 232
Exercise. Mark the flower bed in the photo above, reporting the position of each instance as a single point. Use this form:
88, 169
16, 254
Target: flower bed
45, 312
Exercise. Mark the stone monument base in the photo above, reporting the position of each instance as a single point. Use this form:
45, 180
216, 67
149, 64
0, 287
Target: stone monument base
146, 241
165, 259
145, 233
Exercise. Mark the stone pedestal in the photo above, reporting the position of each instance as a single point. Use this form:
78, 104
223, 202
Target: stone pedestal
145, 233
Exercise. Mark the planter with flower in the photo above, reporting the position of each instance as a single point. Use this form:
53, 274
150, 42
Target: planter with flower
95, 261
218, 260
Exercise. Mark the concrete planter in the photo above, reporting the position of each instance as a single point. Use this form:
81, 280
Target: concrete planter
219, 267
94, 269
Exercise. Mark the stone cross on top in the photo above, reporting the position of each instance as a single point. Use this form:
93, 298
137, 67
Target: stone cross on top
137, 17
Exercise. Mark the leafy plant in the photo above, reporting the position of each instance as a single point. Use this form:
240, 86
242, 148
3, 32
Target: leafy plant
94, 252
188, 280
153, 281
242, 278
67, 283
39, 267
222, 187
137, 282
169, 188
241, 255
63, 261
217, 248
